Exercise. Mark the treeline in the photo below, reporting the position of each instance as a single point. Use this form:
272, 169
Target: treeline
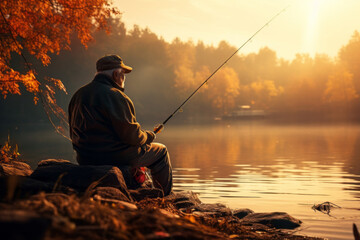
166, 73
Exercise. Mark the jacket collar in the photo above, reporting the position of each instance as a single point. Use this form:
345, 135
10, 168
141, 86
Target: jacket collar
103, 78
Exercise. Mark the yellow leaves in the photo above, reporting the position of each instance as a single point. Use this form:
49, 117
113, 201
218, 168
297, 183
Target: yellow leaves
304, 84
224, 89
56, 83
30, 82
263, 92
340, 87
184, 78
36, 100
8, 153
187, 80
10, 79
266, 87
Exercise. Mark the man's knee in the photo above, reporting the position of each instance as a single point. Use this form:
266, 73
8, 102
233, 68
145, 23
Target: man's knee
160, 148
165, 155
164, 150
162, 158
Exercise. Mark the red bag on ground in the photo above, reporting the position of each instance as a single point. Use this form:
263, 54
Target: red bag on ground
140, 175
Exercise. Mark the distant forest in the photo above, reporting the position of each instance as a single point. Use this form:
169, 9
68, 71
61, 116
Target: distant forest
165, 73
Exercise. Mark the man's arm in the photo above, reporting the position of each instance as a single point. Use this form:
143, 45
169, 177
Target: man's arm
123, 120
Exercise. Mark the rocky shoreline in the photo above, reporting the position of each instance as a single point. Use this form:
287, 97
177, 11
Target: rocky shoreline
61, 200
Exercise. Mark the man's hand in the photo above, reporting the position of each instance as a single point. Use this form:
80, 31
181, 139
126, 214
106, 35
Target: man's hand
158, 128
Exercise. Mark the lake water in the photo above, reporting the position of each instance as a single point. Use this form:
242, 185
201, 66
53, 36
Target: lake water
253, 165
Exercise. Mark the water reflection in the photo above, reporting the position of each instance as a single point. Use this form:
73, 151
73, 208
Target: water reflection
273, 168
353, 167
262, 147
257, 166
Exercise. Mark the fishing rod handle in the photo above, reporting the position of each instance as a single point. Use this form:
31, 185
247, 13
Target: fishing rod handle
158, 128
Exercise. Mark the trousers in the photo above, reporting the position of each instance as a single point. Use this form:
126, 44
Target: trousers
157, 159
154, 156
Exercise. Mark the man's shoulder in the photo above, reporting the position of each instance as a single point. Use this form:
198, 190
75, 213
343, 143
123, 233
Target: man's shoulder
108, 93
103, 83
95, 88
100, 92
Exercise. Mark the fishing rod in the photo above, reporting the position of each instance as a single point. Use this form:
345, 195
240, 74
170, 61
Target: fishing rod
159, 127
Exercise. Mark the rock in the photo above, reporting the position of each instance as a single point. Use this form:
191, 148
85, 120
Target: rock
279, 220
82, 177
12, 187
48, 162
184, 196
22, 225
184, 204
142, 193
189, 202
243, 212
15, 168
214, 209
210, 210
109, 193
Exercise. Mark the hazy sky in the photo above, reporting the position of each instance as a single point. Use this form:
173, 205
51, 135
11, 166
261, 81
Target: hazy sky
308, 26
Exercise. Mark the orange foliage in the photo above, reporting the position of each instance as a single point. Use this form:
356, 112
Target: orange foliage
10, 79
42, 27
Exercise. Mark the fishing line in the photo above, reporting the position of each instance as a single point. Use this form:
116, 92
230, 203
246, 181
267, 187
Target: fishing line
159, 127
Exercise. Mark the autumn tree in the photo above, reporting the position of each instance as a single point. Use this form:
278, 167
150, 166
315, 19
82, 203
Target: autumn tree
191, 70
340, 87
35, 29
350, 57
224, 90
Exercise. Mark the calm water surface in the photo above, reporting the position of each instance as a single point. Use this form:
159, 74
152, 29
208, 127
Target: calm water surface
263, 167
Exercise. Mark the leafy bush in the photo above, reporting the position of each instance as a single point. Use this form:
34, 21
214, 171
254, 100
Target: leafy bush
8, 152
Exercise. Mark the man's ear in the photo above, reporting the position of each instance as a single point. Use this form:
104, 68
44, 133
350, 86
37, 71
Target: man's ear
114, 75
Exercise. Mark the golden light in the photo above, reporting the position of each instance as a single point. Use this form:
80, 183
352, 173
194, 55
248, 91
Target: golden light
312, 25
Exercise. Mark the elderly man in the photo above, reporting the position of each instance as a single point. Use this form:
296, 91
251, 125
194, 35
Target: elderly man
104, 130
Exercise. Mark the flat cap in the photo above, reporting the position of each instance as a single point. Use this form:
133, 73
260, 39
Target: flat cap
111, 62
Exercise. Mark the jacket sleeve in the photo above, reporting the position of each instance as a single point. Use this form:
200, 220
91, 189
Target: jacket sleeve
122, 116
150, 137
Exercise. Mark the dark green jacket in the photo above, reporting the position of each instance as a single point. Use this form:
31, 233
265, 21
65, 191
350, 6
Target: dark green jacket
103, 123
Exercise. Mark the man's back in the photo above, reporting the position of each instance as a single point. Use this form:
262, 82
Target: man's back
93, 110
